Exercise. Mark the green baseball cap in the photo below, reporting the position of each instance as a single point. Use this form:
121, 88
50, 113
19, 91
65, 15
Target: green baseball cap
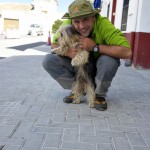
80, 8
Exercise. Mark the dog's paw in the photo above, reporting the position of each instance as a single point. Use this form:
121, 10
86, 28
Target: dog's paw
59, 51
76, 102
91, 104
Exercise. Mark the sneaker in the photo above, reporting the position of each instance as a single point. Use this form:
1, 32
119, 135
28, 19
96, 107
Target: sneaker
69, 99
100, 103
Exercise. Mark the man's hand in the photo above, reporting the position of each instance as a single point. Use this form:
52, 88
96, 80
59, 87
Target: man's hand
86, 43
71, 53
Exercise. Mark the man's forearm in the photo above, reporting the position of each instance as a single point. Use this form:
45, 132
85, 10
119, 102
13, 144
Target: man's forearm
116, 51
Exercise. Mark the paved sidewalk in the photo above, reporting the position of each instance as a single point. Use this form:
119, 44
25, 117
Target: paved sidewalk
34, 117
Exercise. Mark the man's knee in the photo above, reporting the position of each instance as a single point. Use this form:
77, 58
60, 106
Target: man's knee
108, 63
107, 67
48, 60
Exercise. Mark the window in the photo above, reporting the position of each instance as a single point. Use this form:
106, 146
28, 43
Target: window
124, 15
108, 8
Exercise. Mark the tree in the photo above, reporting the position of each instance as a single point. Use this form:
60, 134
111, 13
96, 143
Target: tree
56, 26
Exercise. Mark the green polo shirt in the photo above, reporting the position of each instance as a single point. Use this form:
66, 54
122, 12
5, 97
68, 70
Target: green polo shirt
103, 32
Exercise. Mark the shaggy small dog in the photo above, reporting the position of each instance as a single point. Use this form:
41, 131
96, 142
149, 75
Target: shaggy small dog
68, 39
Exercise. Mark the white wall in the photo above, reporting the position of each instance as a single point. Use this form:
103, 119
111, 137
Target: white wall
133, 15
1, 25
51, 8
29, 17
143, 21
10, 15
105, 7
138, 16
118, 14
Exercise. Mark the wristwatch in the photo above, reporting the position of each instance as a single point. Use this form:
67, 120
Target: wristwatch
96, 48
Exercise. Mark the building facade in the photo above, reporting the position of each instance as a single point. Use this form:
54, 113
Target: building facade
132, 18
19, 16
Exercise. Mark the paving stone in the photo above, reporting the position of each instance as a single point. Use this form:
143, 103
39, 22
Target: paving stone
135, 114
110, 134
29, 135
148, 142
136, 139
78, 145
71, 131
141, 148
52, 140
11, 147
33, 115
124, 129
49, 106
136, 125
22, 111
59, 118
25, 126
34, 110
33, 144
86, 129
72, 115
12, 141
7, 130
86, 111
114, 122
50, 149
43, 129
101, 124
91, 117
80, 121
7, 110
43, 121
145, 133
64, 125
71, 137
105, 147
126, 118
122, 144
95, 139
103, 114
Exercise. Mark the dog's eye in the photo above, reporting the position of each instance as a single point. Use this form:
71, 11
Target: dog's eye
69, 32
61, 34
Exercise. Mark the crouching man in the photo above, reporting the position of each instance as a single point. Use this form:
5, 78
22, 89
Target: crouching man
106, 44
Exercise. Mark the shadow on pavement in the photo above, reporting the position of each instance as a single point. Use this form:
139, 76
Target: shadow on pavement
26, 46
2, 58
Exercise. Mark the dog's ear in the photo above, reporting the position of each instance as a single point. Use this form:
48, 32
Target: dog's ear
70, 30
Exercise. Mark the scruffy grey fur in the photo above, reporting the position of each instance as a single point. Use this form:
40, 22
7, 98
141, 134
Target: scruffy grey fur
68, 39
